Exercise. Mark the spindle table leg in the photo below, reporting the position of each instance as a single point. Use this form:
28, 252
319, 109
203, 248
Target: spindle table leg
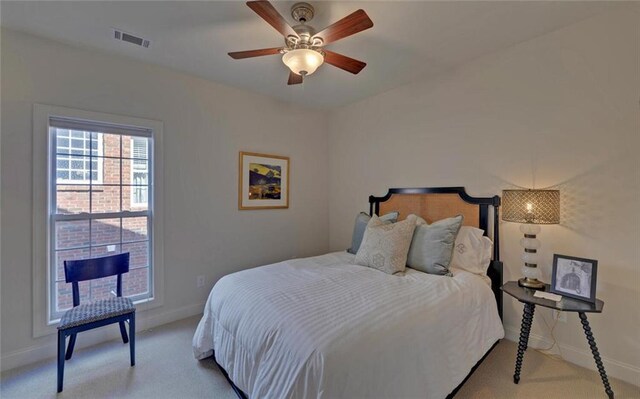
527, 319
596, 354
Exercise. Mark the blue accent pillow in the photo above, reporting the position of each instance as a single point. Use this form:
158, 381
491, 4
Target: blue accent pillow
361, 225
432, 245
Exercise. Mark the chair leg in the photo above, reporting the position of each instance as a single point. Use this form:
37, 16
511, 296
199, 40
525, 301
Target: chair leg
61, 348
72, 344
123, 332
132, 336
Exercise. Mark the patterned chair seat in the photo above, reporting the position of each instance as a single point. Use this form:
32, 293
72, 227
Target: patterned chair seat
94, 311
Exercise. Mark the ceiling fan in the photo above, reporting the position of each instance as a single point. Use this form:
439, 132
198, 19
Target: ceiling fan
304, 50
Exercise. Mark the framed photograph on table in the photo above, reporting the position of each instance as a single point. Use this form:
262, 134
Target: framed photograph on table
574, 277
263, 181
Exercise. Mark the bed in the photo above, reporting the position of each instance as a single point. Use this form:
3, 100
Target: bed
323, 327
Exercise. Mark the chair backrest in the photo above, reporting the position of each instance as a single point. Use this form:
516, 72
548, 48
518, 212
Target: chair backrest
94, 268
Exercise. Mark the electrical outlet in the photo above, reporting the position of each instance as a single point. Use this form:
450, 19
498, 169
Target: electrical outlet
200, 281
560, 316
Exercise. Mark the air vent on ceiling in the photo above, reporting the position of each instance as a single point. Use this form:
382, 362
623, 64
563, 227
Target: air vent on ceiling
129, 38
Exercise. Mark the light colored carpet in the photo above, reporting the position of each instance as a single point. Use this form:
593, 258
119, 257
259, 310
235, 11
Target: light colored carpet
165, 368
542, 377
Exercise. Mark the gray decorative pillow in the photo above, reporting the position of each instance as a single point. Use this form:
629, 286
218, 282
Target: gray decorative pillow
432, 245
385, 246
361, 224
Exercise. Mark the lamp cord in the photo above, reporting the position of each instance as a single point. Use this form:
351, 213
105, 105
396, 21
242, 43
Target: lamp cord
546, 351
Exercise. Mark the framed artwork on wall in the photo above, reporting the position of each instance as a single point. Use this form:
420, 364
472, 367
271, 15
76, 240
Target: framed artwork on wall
263, 181
574, 277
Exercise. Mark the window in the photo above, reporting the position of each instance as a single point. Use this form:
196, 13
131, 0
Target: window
100, 204
90, 212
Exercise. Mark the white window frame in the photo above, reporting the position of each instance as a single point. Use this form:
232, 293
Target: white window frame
99, 169
136, 204
42, 186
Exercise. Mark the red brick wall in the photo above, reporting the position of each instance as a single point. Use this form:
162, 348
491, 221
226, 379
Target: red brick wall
75, 199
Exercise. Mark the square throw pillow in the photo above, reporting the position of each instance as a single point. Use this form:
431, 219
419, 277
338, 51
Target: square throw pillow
385, 246
432, 245
472, 251
361, 224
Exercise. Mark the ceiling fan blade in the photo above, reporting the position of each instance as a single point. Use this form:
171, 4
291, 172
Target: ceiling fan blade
267, 12
294, 79
343, 62
347, 26
237, 55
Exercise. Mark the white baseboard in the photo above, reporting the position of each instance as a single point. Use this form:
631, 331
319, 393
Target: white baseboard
623, 371
38, 353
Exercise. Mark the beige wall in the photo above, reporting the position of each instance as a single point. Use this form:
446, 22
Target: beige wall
205, 125
559, 110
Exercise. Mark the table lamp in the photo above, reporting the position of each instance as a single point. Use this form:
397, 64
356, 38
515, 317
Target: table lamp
531, 208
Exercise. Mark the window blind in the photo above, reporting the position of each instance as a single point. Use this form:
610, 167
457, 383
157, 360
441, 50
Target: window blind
91, 126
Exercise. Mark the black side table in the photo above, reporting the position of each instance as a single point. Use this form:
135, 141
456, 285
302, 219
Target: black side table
525, 295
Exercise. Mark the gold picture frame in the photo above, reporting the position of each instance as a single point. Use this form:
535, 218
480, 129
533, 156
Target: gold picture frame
263, 181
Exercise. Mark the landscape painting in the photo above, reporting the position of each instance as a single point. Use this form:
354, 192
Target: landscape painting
263, 181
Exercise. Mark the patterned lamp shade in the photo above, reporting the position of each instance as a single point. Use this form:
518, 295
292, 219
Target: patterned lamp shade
531, 206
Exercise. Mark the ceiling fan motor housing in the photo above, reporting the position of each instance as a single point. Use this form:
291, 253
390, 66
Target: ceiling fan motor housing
305, 37
303, 13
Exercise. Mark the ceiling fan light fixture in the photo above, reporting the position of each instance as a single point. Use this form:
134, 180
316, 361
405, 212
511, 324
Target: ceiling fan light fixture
303, 61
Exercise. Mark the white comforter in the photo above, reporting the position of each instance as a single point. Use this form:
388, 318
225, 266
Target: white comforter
322, 327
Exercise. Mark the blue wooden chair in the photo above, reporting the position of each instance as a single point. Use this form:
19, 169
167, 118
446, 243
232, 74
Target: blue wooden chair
97, 313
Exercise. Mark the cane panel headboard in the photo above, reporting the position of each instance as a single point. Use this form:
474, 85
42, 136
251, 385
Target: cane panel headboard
436, 203
432, 207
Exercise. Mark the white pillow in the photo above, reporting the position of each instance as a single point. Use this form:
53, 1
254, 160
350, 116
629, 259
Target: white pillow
385, 246
472, 251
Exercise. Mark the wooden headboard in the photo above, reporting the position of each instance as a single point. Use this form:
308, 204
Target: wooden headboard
436, 203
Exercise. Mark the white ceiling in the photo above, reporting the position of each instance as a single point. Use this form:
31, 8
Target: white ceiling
409, 40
